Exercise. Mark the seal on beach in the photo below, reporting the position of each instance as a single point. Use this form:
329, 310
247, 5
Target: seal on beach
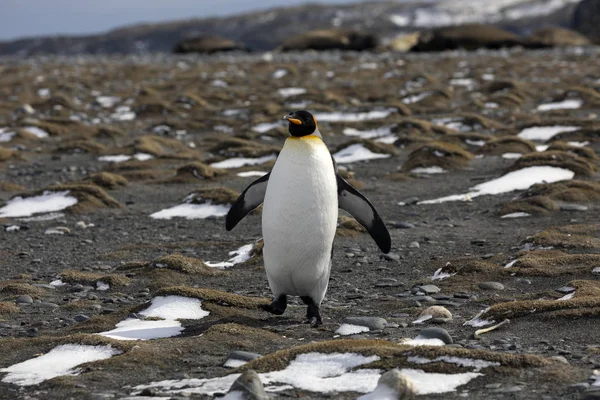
301, 196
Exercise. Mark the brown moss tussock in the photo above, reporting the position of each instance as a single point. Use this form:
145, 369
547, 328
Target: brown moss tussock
108, 180
194, 172
7, 307
186, 265
507, 144
515, 309
90, 197
217, 195
553, 263
392, 355
10, 187
569, 236
6, 154
18, 289
585, 152
233, 146
349, 227
164, 147
81, 145
441, 154
536, 205
560, 159
215, 296
90, 278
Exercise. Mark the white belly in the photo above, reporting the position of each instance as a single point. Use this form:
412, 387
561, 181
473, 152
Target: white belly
299, 219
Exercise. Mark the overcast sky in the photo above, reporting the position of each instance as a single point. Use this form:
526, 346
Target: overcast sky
23, 18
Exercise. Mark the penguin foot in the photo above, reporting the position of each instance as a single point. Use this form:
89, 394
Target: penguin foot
313, 314
277, 306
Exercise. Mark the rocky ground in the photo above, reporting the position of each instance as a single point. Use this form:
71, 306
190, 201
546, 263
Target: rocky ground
175, 124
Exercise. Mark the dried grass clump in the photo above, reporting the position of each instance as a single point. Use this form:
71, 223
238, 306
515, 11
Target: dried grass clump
215, 296
216, 195
569, 236
507, 144
89, 197
90, 278
555, 158
441, 154
553, 263
21, 289
186, 265
194, 172
108, 180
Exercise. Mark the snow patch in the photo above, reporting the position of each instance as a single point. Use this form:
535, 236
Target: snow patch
349, 329
240, 255
516, 215
478, 365
429, 170
370, 133
569, 104
544, 133
247, 174
192, 211
353, 117
356, 152
238, 162
46, 202
40, 133
291, 91
170, 308
124, 157
516, 180
59, 361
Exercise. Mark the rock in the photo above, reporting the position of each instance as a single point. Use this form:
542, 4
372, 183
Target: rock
247, 387
47, 305
25, 299
243, 355
429, 289
573, 207
555, 36
330, 39
468, 37
392, 385
414, 245
560, 359
436, 333
81, 318
373, 323
586, 19
391, 257
491, 286
437, 312
410, 201
207, 44
403, 225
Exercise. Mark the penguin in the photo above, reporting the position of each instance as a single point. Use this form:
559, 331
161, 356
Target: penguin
302, 195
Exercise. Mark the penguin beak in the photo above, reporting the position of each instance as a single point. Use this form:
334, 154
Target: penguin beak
293, 120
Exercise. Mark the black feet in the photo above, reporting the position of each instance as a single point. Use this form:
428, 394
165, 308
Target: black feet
312, 312
277, 306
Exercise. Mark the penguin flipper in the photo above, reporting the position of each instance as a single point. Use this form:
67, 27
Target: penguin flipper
252, 197
354, 202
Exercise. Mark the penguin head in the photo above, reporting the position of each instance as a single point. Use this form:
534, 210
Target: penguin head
301, 123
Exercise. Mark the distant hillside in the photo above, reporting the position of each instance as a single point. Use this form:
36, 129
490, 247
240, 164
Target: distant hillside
265, 30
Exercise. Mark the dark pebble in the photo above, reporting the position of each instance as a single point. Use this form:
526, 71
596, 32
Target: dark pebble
81, 318
403, 225
491, 286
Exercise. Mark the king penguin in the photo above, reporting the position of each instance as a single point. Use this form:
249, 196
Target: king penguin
301, 196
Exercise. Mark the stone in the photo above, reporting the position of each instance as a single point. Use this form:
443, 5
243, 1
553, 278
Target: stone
436, 333
81, 318
391, 257
393, 385
414, 245
403, 225
429, 289
373, 323
437, 312
491, 286
247, 387
24, 299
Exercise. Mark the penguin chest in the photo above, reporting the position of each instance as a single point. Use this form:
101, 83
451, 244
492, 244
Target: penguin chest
300, 214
